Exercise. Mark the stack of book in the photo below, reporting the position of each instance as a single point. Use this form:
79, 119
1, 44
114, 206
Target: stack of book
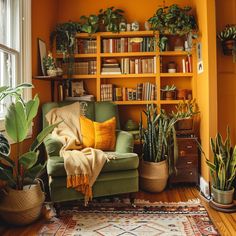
110, 69
138, 65
107, 92
141, 44
85, 46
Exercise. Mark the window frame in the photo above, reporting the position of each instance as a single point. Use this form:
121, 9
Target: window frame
24, 55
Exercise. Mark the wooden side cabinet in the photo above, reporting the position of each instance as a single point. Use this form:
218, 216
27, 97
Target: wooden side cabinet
188, 161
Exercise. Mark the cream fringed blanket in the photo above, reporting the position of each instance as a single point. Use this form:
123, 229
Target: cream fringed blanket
82, 166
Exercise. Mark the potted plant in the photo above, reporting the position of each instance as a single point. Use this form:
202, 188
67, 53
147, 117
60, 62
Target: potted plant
111, 18
160, 150
222, 168
65, 36
228, 40
21, 199
169, 92
89, 24
50, 65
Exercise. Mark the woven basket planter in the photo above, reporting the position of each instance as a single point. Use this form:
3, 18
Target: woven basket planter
21, 207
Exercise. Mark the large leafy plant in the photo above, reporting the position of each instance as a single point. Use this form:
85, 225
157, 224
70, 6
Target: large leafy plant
159, 135
18, 121
223, 167
89, 24
174, 20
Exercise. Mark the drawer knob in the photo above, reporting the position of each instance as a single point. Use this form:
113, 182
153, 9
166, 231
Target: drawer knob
189, 146
191, 173
189, 162
182, 153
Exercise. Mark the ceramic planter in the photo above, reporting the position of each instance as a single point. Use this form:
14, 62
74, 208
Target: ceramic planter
228, 46
170, 95
52, 72
21, 207
153, 176
222, 197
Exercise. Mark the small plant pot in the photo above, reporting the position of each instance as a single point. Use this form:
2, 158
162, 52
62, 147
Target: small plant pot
228, 46
185, 124
170, 95
222, 197
52, 72
182, 94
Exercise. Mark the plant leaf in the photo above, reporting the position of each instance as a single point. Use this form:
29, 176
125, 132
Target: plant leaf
29, 159
32, 109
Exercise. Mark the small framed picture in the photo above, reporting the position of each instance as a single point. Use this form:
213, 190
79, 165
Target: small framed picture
42, 54
77, 89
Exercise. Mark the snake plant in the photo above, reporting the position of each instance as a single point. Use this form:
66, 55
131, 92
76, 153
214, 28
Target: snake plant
159, 136
223, 166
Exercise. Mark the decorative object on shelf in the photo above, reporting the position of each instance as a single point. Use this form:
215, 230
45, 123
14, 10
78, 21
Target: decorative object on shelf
59, 71
128, 27
122, 26
169, 92
111, 18
135, 26
159, 147
182, 94
89, 24
131, 125
228, 40
42, 54
147, 26
171, 67
222, 169
22, 198
50, 65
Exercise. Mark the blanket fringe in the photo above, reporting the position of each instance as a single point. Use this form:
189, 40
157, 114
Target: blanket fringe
81, 184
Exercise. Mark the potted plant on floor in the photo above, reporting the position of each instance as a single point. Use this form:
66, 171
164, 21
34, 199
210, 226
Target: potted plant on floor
222, 169
160, 150
21, 199
111, 18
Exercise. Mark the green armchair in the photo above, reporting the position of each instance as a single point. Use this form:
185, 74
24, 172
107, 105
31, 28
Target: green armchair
117, 176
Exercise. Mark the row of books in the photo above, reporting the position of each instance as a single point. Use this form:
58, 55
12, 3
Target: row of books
82, 68
141, 44
187, 64
138, 65
143, 92
110, 69
85, 46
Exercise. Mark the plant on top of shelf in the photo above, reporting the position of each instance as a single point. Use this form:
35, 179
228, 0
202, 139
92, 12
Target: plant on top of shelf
222, 168
50, 64
159, 146
228, 40
169, 92
168, 88
111, 18
174, 20
89, 24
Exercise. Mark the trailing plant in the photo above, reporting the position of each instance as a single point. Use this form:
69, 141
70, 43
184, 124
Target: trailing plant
111, 18
223, 167
159, 136
174, 20
89, 24
18, 122
162, 42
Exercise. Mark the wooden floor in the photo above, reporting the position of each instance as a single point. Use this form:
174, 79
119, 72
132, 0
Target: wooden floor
226, 223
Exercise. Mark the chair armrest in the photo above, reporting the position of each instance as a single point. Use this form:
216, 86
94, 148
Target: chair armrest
124, 142
52, 145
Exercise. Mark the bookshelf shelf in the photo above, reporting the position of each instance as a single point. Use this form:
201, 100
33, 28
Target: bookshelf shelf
129, 54
128, 76
134, 102
174, 53
169, 102
176, 74
80, 77
84, 55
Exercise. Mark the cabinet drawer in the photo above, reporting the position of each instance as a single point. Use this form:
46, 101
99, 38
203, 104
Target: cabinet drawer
187, 162
183, 175
187, 147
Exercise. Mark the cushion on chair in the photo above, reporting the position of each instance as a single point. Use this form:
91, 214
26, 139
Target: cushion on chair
123, 161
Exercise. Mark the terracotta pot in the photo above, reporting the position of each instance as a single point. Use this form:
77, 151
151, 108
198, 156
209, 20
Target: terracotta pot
170, 95
153, 176
21, 207
222, 197
182, 94
186, 124
228, 46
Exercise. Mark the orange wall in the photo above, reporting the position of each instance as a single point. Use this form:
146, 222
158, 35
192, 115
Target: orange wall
226, 72
207, 81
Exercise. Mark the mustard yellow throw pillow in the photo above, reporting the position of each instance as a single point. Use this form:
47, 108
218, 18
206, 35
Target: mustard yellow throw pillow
98, 135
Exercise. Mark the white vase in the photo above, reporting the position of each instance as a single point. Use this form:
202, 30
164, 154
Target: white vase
51, 72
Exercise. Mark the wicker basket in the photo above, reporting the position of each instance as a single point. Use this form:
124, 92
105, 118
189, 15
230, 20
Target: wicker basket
21, 207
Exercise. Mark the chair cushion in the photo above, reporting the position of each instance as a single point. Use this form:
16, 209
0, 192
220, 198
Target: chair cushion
123, 161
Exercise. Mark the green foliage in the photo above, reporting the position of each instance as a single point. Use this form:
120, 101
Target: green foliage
18, 121
159, 136
168, 88
89, 24
49, 62
228, 33
223, 166
111, 18
173, 20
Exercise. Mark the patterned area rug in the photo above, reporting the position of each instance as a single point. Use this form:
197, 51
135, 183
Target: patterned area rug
122, 219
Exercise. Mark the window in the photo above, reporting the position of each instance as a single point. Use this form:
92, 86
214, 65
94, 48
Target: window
15, 46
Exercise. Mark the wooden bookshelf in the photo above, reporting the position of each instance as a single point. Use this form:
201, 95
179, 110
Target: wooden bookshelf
159, 78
